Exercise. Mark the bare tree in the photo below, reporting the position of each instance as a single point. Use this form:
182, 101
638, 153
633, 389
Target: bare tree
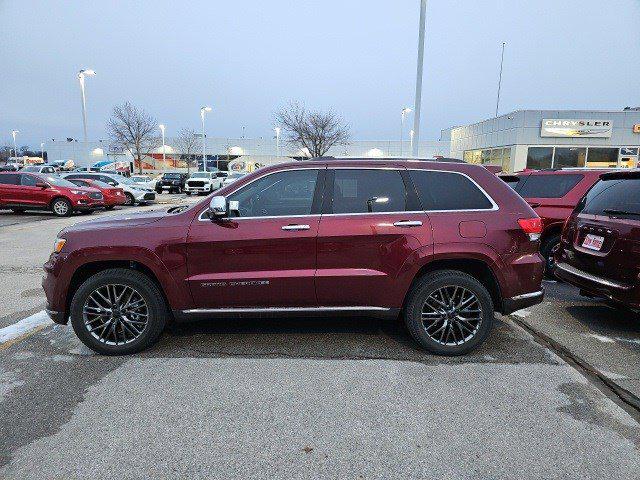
134, 130
187, 142
315, 131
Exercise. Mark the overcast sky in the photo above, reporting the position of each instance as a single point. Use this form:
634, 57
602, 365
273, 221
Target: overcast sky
358, 57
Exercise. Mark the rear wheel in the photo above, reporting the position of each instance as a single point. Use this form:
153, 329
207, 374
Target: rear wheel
129, 199
548, 250
118, 312
61, 207
109, 207
449, 312
17, 210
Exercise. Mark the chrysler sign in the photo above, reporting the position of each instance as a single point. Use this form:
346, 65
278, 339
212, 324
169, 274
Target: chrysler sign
567, 127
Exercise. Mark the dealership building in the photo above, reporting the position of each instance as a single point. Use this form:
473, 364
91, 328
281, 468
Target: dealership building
540, 139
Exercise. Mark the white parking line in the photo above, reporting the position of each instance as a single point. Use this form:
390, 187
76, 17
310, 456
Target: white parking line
36, 321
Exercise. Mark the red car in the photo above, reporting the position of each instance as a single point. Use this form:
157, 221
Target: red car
32, 191
112, 195
600, 249
553, 194
444, 245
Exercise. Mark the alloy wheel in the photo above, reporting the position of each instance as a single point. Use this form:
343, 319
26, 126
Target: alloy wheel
115, 314
451, 315
61, 207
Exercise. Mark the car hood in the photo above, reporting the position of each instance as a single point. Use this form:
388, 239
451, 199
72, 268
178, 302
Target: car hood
118, 221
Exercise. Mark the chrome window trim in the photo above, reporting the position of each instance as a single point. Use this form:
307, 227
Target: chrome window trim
494, 205
283, 309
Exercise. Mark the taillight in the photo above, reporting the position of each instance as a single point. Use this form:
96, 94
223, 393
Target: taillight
532, 227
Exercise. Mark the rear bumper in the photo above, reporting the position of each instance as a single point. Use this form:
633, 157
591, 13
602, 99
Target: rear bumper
623, 293
510, 305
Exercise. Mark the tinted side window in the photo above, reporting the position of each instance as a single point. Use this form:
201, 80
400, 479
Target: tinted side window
9, 179
362, 191
548, 186
107, 180
448, 191
610, 195
80, 183
280, 194
28, 180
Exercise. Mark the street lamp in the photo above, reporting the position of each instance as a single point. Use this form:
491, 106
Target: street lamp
204, 146
277, 130
81, 75
405, 110
15, 147
42, 151
164, 159
419, 71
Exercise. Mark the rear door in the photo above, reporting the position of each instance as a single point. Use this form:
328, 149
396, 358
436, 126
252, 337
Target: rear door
371, 224
9, 188
607, 238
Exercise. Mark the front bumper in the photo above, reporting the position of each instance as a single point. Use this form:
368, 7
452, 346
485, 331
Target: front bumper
510, 305
205, 189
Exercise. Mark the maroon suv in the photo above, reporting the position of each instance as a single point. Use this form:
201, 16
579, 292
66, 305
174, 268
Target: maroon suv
600, 250
444, 244
553, 194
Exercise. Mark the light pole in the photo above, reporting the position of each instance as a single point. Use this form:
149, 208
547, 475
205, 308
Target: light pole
204, 144
418, 99
15, 147
42, 151
405, 110
81, 75
277, 130
164, 158
411, 140
500, 78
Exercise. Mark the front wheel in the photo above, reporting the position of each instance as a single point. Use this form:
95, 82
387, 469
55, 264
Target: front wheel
449, 312
130, 200
61, 207
118, 312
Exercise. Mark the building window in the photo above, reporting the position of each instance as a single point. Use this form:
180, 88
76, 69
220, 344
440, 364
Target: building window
489, 156
602, 157
569, 157
539, 158
506, 159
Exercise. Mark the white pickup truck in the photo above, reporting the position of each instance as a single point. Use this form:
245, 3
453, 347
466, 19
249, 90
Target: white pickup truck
204, 182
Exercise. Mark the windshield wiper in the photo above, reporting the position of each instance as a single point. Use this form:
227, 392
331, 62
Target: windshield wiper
620, 212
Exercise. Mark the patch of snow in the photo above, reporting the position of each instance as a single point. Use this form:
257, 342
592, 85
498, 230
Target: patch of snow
24, 326
601, 338
521, 313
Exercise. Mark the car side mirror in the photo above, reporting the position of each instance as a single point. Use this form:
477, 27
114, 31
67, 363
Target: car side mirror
219, 209
42, 185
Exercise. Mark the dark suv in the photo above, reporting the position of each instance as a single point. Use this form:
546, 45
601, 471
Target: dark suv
442, 244
600, 249
173, 181
553, 194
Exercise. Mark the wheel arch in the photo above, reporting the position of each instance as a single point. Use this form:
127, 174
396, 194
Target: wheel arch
476, 267
86, 270
58, 197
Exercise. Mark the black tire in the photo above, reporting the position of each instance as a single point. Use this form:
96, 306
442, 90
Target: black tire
430, 284
547, 249
158, 191
109, 207
17, 210
158, 312
130, 200
61, 207
188, 193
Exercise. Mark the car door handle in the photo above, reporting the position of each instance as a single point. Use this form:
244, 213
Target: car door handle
408, 223
296, 227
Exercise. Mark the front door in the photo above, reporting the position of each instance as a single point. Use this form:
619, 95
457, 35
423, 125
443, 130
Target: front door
371, 224
266, 255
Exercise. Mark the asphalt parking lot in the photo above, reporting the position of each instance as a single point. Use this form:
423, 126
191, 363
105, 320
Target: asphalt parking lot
549, 395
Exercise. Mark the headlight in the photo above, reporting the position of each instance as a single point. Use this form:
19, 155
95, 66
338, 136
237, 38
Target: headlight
59, 243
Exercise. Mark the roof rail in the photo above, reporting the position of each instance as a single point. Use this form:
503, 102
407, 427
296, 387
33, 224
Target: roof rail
392, 159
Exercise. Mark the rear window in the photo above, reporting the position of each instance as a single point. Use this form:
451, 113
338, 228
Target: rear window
548, 186
9, 179
613, 197
510, 180
448, 191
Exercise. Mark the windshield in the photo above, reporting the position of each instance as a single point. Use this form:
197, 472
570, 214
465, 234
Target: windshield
31, 169
139, 179
171, 175
59, 182
235, 175
201, 175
